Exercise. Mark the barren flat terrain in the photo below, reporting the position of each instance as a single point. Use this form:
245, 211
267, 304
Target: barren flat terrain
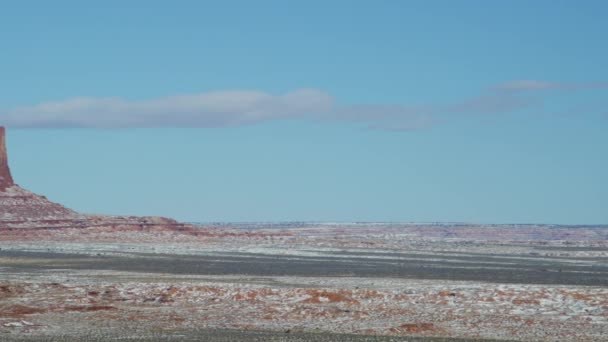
306, 281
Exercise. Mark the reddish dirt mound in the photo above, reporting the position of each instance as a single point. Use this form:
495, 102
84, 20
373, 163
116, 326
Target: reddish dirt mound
89, 308
414, 328
18, 311
9, 291
521, 301
324, 296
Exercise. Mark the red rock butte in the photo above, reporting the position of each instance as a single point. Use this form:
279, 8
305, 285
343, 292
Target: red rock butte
22, 209
6, 180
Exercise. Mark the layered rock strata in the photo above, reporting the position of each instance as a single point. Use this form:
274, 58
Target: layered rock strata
22, 209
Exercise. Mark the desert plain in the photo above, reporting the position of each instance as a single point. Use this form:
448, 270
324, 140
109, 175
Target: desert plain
386, 281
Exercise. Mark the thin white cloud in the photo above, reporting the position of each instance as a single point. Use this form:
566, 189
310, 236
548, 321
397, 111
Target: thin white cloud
211, 109
535, 85
247, 107
493, 104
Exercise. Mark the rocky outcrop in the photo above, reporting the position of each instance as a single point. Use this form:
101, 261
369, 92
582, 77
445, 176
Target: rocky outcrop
6, 180
19, 205
22, 209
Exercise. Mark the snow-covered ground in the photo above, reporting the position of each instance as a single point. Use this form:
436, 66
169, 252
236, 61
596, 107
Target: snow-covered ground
523, 283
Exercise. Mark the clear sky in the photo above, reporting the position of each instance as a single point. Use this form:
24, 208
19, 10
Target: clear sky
478, 111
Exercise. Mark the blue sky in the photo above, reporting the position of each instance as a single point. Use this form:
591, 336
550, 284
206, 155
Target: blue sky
311, 110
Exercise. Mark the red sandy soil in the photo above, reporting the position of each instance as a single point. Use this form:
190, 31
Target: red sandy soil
449, 310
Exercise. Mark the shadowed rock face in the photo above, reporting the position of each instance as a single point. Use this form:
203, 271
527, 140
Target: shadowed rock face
20, 208
6, 180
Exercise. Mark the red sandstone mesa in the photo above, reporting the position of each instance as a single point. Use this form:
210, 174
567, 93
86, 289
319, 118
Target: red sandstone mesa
22, 209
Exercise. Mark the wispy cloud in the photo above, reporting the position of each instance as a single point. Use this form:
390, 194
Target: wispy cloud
211, 109
493, 104
535, 85
247, 107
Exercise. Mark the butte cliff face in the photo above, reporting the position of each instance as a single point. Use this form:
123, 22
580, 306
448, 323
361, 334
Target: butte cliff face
6, 180
20, 208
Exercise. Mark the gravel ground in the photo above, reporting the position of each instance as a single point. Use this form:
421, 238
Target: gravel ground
524, 284
239, 335
485, 268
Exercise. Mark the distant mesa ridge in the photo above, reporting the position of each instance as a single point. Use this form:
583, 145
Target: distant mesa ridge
22, 209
